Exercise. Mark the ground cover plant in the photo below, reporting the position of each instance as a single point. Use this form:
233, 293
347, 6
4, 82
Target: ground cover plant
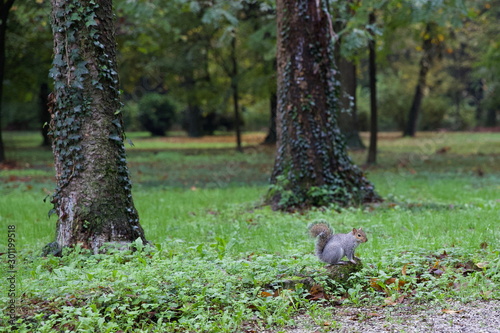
217, 256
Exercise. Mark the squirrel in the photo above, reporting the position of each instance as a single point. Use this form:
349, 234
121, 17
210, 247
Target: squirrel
331, 248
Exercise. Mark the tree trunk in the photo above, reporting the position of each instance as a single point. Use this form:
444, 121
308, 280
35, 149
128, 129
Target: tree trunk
348, 115
312, 167
425, 64
93, 197
346, 74
491, 117
234, 88
4, 14
271, 134
372, 151
193, 119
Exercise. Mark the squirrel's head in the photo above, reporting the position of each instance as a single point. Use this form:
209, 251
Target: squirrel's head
360, 235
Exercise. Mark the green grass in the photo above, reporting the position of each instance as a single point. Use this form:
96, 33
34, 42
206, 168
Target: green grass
216, 249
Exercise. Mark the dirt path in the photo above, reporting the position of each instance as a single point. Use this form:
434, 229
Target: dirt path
475, 317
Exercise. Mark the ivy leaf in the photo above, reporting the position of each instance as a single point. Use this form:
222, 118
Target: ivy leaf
115, 137
117, 123
54, 73
58, 60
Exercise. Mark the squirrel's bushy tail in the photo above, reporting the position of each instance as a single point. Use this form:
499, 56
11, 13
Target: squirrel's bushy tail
320, 228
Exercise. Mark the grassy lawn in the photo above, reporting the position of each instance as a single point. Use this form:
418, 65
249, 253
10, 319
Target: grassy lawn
217, 254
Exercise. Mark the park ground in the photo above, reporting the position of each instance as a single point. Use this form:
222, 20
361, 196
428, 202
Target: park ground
218, 255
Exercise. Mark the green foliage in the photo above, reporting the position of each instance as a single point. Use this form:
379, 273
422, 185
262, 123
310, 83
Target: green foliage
156, 113
28, 59
130, 114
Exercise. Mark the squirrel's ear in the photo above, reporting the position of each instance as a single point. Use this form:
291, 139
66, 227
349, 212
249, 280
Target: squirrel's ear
354, 230
361, 228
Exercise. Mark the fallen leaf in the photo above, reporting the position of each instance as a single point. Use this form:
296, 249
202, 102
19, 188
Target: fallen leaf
451, 311
317, 293
389, 301
403, 271
443, 150
375, 284
482, 264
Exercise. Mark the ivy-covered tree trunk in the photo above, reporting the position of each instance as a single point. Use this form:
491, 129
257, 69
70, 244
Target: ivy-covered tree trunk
93, 197
312, 167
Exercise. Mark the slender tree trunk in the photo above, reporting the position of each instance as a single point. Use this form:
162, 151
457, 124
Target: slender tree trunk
312, 167
491, 117
348, 116
4, 15
193, 120
346, 74
234, 88
372, 151
271, 134
93, 197
425, 64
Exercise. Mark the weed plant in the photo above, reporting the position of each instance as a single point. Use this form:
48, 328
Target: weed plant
216, 255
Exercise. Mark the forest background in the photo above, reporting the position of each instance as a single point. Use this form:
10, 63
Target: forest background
184, 57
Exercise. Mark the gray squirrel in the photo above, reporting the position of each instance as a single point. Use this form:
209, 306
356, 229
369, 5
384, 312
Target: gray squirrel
331, 248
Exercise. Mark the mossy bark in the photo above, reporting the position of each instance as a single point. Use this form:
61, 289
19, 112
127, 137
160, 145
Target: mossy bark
93, 197
312, 167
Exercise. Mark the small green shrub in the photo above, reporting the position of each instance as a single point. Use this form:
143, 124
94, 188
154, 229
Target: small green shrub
156, 113
434, 109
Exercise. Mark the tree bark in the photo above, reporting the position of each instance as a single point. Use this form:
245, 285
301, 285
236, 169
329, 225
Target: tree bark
4, 15
93, 197
425, 64
234, 88
312, 167
372, 151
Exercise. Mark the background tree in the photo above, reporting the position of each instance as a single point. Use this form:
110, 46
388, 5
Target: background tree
5, 7
312, 167
350, 40
372, 68
430, 47
93, 197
